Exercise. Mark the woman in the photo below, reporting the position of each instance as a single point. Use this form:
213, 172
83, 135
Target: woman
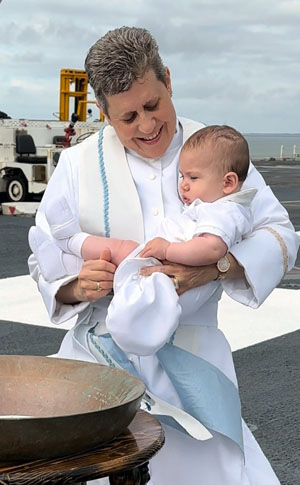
121, 184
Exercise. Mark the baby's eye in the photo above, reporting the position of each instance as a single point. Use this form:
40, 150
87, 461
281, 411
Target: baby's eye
180, 176
194, 178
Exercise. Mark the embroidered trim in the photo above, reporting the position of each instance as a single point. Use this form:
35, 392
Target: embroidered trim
282, 247
104, 183
102, 352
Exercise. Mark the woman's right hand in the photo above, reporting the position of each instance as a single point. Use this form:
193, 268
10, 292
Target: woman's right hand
94, 281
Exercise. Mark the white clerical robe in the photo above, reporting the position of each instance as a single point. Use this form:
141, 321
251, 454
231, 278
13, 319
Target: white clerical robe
182, 460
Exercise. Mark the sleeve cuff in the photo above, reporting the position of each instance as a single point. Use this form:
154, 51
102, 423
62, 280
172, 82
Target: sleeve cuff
75, 243
262, 258
57, 311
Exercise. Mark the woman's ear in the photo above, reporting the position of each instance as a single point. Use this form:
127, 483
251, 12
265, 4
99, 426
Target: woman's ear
230, 183
102, 113
168, 80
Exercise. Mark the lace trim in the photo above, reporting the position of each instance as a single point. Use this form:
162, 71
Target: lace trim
282, 247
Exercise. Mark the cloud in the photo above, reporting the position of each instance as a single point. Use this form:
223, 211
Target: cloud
230, 60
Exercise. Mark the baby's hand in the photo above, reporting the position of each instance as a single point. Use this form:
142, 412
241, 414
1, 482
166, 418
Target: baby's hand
157, 248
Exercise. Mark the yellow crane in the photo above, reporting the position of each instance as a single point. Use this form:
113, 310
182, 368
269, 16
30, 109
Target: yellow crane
78, 78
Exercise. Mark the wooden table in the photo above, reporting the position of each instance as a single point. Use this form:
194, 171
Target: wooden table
124, 460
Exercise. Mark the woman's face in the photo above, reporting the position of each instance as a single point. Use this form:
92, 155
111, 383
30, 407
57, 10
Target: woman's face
144, 116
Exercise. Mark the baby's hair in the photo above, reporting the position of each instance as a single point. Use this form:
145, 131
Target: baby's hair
231, 148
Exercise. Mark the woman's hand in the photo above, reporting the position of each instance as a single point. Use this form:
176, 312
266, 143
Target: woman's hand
94, 281
188, 277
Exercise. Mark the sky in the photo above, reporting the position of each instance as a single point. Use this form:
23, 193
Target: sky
231, 61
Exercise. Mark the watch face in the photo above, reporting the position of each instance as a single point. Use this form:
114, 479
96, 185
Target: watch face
223, 265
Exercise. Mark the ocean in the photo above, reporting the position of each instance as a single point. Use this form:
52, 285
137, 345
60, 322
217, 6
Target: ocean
273, 145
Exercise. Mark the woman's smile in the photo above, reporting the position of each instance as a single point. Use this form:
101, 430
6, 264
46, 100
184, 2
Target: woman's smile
153, 138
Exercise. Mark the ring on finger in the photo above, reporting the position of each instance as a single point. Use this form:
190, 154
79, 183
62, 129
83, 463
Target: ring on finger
176, 283
98, 287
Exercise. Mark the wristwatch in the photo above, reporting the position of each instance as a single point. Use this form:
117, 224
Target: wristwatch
223, 266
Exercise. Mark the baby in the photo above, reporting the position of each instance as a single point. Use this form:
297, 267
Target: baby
213, 165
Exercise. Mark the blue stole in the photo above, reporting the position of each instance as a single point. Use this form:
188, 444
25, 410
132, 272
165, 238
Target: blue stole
205, 392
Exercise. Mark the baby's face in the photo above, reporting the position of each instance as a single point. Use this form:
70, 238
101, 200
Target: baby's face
199, 179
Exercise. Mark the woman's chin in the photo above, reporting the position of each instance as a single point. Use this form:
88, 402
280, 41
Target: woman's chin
152, 150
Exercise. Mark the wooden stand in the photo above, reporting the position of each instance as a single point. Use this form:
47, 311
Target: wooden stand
124, 460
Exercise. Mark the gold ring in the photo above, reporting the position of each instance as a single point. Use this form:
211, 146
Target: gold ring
98, 288
176, 283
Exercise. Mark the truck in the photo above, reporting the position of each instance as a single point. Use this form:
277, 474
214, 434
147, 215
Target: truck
30, 150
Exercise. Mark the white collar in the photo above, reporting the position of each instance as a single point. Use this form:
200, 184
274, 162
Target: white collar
243, 197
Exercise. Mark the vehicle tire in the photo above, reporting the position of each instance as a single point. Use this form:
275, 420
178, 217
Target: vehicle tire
16, 189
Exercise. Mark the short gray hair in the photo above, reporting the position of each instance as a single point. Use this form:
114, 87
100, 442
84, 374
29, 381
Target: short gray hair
118, 59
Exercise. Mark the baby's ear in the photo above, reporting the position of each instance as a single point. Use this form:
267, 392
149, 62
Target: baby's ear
230, 183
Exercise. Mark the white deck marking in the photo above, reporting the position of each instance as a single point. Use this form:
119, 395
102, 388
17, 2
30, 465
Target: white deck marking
21, 302
243, 326
290, 202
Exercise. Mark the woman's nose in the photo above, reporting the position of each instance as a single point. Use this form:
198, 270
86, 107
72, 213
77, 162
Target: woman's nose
147, 124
